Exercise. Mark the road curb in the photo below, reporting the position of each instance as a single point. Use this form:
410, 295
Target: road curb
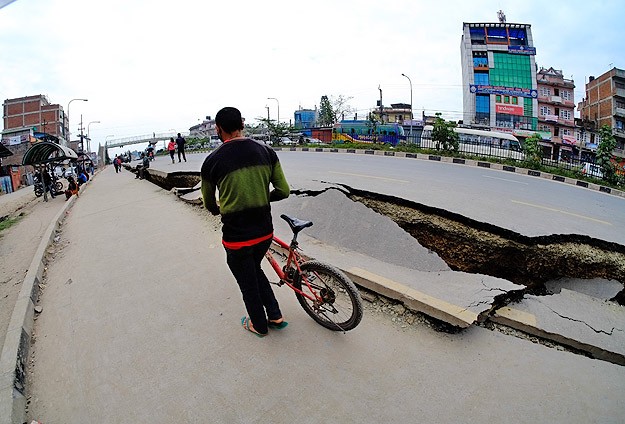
16, 346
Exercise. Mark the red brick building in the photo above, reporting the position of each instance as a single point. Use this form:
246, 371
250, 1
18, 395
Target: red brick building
604, 104
26, 121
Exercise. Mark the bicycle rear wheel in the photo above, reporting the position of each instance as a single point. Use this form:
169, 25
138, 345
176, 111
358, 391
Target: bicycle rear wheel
58, 186
341, 306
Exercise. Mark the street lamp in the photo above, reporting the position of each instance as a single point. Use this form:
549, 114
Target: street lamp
273, 98
68, 127
88, 136
404, 75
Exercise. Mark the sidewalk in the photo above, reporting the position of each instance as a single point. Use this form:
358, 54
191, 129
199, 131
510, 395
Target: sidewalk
11, 202
140, 323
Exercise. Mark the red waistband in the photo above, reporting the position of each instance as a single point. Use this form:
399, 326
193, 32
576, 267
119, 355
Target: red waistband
234, 245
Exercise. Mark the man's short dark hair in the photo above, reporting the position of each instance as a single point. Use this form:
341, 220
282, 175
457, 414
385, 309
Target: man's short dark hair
229, 119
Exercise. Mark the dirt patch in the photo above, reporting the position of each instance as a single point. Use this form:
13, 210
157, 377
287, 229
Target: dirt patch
476, 247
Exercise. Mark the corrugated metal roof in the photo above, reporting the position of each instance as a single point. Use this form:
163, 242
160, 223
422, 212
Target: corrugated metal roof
45, 151
4, 152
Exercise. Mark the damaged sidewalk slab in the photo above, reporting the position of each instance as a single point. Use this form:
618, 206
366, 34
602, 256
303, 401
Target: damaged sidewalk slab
584, 323
382, 257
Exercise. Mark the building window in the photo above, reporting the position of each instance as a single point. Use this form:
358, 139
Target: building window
566, 131
498, 98
566, 94
544, 110
545, 91
543, 127
481, 78
515, 100
506, 99
565, 114
620, 104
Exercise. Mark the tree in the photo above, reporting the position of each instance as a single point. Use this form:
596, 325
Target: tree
326, 113
372, 122
276, 129
532, 150
340, 107
604, 154
444, 135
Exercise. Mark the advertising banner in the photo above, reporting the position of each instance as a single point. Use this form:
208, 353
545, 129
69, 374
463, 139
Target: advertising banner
506, 91
567, 139
509, 109
522, 50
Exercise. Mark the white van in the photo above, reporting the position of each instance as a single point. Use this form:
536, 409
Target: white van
592, 170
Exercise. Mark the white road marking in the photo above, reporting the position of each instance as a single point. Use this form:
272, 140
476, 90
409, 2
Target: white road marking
505, 179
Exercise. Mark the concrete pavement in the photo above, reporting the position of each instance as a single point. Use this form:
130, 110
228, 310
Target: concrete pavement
148, 331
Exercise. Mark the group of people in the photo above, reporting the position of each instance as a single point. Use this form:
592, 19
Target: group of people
176, 144
73, 185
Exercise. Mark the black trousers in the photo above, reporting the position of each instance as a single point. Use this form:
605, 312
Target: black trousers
181, 151
257, 294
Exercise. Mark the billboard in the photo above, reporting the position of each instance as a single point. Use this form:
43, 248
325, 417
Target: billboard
509, 109
505, 91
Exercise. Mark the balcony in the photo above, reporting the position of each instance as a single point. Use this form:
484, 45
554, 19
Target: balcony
550, 118
619, 111
620, 92
556, 99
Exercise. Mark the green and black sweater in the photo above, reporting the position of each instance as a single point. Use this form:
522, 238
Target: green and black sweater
242, 169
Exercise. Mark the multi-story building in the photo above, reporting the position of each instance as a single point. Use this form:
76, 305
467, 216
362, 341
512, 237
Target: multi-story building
556, 114
604, 104
305, 118
499, 77
37, 113
204, 130
26, 121
397, 112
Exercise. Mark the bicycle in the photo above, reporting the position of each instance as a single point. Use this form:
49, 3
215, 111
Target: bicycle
327, 295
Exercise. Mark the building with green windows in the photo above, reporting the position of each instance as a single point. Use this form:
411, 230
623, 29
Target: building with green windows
499, 77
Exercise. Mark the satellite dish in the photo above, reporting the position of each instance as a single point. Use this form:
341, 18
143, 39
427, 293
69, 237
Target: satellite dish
501, 16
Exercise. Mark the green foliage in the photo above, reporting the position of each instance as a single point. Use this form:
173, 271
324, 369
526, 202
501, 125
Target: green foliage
326, 112
604, 154
532, 150
8, 222
276, 129
444, 135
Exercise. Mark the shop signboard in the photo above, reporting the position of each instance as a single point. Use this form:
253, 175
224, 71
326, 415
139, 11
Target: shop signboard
505, 91
509, 109
522, 50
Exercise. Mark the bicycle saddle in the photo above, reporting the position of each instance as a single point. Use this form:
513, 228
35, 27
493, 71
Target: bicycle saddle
296, 225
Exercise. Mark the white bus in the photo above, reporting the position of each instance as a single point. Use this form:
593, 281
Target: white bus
481, 142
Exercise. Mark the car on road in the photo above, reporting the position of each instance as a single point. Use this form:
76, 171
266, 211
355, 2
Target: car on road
286, 140
591, 170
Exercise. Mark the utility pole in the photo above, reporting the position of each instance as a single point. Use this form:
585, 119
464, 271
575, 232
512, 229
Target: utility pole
381, 107
81, 136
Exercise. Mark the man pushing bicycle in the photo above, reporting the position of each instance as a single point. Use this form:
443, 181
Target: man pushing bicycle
242, 169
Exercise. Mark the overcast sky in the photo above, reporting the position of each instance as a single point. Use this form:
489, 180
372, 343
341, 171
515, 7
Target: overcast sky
154, 66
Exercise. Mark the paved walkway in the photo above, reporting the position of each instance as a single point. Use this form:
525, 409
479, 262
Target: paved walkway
140, 323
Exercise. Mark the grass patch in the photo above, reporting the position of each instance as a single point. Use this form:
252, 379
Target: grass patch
7, 221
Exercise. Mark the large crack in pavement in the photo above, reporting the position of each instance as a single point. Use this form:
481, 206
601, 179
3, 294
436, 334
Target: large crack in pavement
481, 248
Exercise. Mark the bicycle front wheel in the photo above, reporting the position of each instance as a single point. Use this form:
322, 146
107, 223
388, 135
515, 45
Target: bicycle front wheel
337, 304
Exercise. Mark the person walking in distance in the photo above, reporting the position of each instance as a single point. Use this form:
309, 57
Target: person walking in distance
242, 170
171, 148
180, 141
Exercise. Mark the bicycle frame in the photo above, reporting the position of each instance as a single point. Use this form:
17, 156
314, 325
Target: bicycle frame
292, 263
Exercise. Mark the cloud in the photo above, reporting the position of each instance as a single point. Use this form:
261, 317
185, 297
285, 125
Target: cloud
149, 66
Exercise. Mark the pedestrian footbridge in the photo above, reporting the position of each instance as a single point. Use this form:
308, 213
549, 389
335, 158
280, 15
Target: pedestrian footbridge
138, 139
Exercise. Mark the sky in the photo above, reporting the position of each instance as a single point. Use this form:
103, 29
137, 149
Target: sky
162, 66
